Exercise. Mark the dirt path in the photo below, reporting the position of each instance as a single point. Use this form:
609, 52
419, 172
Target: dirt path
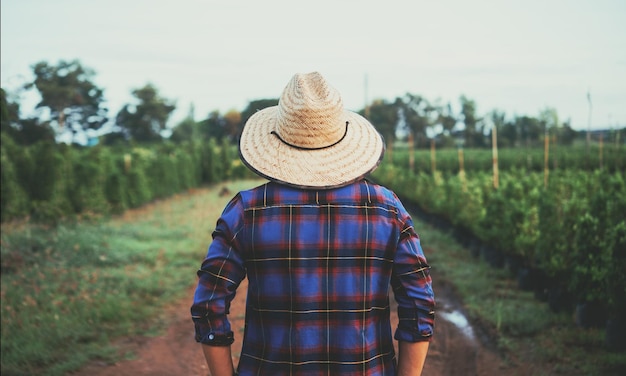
456, 349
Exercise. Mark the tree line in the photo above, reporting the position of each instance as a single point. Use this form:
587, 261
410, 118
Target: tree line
72, 104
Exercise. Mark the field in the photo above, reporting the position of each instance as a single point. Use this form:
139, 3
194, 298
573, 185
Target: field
87, 297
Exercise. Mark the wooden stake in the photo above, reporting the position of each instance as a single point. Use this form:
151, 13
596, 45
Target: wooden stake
555, 161
462, 170
589, 121
601, 151
411, 153
546, 159
127, 162
433, 162
494, 152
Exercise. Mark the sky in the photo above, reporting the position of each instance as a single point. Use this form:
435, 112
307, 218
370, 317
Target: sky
518, 57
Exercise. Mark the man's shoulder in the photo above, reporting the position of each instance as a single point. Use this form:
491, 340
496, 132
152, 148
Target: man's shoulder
272, 194
382, 192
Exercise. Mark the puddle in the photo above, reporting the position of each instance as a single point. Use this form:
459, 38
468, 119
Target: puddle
460, 321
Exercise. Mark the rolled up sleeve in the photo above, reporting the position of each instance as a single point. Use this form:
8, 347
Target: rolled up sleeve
412, 286
219, 276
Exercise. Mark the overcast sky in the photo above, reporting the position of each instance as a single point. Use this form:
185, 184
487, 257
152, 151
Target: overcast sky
515, 56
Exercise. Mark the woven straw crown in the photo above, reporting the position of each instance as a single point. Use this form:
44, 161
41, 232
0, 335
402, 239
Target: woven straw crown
309, 140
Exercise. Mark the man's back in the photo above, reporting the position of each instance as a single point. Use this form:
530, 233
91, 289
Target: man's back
319, 265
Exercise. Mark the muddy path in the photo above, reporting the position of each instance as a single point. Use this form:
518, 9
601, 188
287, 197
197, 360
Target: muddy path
458, 348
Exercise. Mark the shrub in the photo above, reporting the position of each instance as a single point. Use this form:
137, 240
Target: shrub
14, 201
138, 189
90, 178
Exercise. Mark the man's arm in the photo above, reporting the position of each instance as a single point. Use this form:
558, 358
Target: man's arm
411, 357
219, 360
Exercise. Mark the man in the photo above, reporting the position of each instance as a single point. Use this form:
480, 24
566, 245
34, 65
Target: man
320, 246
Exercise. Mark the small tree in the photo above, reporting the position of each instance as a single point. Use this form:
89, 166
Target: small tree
474, 136
67, 90
13, 198
255, 106
384, 116
23, 131
9, 111
234, 126
145, 120
213, 127
188, 129
419, 116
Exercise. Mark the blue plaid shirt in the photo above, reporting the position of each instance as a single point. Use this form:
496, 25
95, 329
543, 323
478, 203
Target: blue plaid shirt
319, 266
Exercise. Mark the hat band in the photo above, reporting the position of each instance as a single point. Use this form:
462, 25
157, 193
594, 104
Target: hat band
315, 148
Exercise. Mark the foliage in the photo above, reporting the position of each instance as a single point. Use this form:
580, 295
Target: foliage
571, 230
145, 120
23, 131
187, 130
256, 105
615, 283
576, 157
474, 132
526, 332
385, 116
9, 111
418, 115
49, 182
68, 91
13, 198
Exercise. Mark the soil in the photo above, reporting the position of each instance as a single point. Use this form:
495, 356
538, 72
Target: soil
456, 349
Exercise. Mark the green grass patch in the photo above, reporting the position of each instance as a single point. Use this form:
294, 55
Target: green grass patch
524, 329
68, 291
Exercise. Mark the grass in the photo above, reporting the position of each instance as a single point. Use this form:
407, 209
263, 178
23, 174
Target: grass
68, 291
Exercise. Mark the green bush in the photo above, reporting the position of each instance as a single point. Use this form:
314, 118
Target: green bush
226, 154
13, 198
49, 184
186, 168
615, 282
573, 230
210, 162
91, 171
45, 172
138, 189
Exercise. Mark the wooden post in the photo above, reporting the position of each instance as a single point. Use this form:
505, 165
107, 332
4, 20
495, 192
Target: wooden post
546, 157
462, 170
617, 149
367, 104
601, 152
555, 161
433, 162
494, 151
127, 162
589, 121
411, 153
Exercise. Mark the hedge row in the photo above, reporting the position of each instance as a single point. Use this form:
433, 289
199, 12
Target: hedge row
570, 236
47, 181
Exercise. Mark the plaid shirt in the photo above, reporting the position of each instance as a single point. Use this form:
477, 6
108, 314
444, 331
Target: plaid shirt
319, 266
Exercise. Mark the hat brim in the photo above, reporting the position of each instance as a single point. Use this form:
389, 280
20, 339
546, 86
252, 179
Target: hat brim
355, 156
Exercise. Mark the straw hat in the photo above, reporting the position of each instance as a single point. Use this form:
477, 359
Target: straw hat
308, 140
